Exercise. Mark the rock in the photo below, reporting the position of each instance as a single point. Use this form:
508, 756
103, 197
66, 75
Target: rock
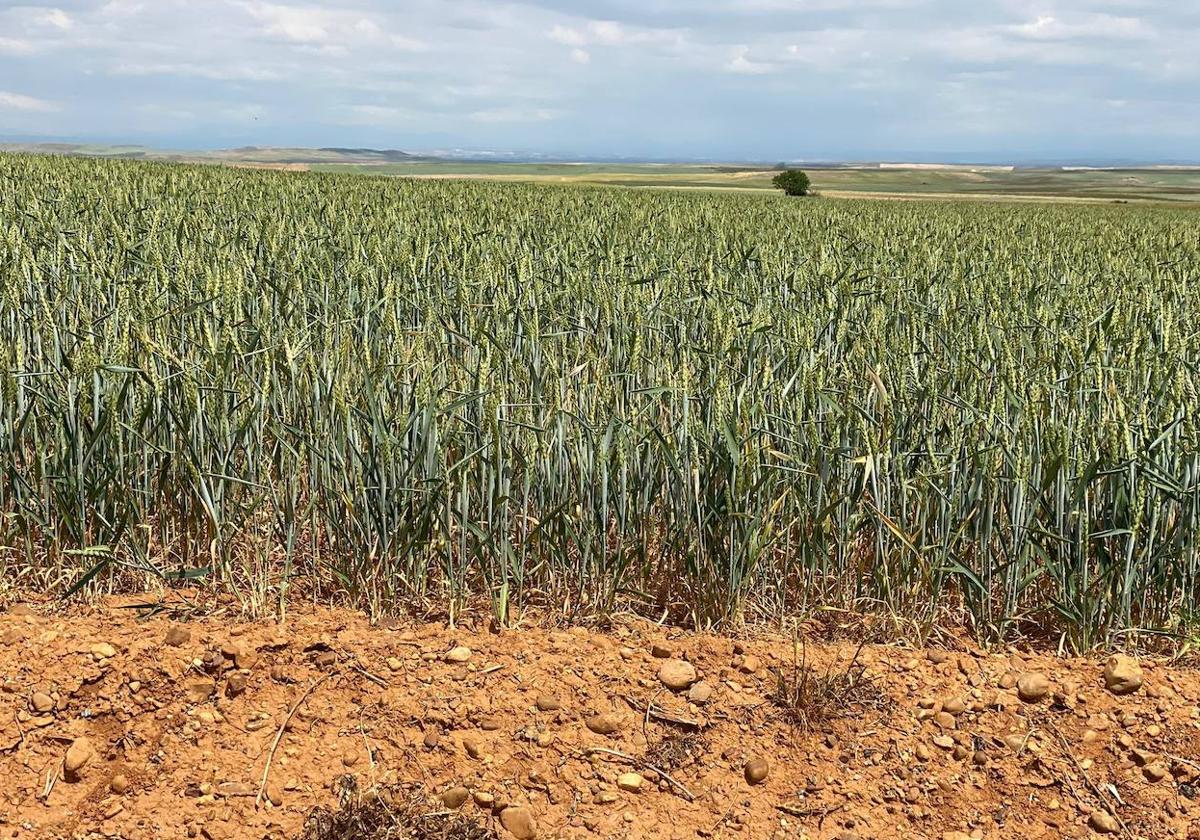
103, 650
1122, 674
177, 636
458, 655
1104, 822
756, 770
630, 782
41, 702
119, 784
431, 739
473, 746
394, 664
676, 674
483, 799
235, 686
937, 657
79, 754
1155, 772
1032, 687
518, 821
548, 703
274, 794
605, 723
954, 706
660, 651
700, 692
455, 798
747, 664
1009, 679
945, 720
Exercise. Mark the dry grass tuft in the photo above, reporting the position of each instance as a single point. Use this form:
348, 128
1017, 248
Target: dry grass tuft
390, 813
677, 750
811, 699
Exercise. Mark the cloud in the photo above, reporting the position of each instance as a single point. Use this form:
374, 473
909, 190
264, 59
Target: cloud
628, 77
742, 64
21, 102
13, 46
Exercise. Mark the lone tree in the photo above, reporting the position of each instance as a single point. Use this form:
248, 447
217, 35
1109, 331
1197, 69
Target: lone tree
792, 182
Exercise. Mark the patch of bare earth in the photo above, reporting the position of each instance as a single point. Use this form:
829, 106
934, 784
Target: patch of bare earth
328, 727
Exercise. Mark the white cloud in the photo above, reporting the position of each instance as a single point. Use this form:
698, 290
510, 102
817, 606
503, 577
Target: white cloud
21, 102
56, 18
15, 46
301, 25
517, 115
743, 65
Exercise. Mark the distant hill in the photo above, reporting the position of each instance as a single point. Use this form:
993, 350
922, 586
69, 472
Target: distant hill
256, 155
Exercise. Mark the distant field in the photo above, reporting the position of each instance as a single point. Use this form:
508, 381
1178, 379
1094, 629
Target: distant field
1175, 185
1159, 185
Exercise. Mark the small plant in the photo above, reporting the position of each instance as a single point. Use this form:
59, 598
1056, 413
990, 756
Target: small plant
389, 813
811, 700
792, 182
677, 750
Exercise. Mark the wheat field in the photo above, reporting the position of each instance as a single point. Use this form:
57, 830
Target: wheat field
709, 407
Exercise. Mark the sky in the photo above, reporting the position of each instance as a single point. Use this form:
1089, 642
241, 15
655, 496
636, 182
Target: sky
754, 80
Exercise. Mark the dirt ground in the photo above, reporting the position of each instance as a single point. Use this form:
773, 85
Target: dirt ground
116, 725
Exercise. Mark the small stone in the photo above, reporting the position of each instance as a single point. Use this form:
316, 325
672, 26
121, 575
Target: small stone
756, 770
605, 723
473, 746
455, 798
548, 703
78, 754
103, 650
483, 799
954, 706
700, 692
119, 784
235, 686
431, 739
275, 794
630, 782
518, 821
749, 664
1122, 674
660, 651
177, 636
1104, 822
458, 655
1155, 772
945, 720
676, 674
1033, 687
41, 702
394, 664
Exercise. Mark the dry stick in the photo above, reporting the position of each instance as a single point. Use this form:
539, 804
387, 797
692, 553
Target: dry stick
687, 794
379, 681
262, 787
1091, 785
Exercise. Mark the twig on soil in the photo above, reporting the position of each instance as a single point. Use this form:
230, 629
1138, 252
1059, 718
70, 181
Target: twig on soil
262, 787
805, 813
379, 681
645, 765
1083, 773
652, 712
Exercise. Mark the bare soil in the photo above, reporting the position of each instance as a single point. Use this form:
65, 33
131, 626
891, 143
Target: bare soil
117, 725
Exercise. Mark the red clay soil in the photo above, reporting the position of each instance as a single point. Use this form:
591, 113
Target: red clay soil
112, 726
